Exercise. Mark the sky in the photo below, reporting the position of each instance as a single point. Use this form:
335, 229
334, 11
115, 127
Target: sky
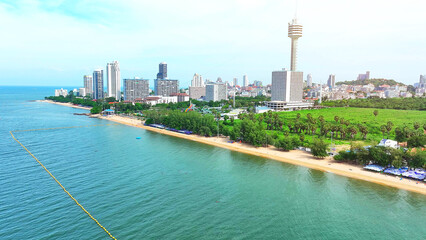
56, 42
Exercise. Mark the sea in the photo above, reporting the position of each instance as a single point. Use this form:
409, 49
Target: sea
162, 187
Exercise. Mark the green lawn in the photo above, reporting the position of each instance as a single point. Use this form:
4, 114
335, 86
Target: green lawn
360, 115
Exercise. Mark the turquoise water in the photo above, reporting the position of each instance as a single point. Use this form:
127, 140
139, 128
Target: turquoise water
160, 187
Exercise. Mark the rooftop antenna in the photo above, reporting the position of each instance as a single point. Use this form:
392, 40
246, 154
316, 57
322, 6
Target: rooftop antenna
295, 14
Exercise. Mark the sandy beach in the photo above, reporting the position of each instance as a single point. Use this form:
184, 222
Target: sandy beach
65, 104
296, 157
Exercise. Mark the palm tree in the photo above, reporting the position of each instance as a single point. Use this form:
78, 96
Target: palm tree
416, 125
376, 112
383, 130
336, 118
389, 127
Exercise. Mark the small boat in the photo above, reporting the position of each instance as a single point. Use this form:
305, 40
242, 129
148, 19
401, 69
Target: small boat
138, 137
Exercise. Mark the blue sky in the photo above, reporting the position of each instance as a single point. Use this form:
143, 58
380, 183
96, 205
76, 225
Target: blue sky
54, 42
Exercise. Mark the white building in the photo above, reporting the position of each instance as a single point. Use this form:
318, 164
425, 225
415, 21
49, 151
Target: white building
197, 81
114, 80
287, 86
245, 81
216, 92
82, 92
88, 84
61, 92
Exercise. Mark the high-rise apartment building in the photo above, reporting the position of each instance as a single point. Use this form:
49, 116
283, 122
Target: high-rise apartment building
197, 81
422, 82
197, 88
216, 92
364, 76
88, 84
309, 80
113, 80
162, 71
98, 84
287, 86
294, 32
331, 81
235, 82
135, 88
245, 81
165, 87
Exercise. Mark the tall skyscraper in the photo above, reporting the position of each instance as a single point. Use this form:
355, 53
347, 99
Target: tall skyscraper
294, 32
165, 87
135, 88
245, 81
287, 86
88, 84
235, 82
331, 81
309, 80
114, 80
98, 84
162, 71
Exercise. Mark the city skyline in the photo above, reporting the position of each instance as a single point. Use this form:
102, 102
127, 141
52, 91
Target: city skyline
333, 41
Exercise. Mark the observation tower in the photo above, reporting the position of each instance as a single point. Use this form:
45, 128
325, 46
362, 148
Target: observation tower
294, 32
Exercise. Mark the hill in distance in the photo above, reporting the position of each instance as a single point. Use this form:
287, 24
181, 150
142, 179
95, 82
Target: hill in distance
375, 81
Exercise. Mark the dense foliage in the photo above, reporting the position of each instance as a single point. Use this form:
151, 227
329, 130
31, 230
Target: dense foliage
383, 103
204, 125
383, 156
376, 82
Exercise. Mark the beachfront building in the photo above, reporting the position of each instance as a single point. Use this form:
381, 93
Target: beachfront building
287, 86
113, 80
88, 85
82, 92
98, 84
165, 87
61, 92
135, 88
216, 92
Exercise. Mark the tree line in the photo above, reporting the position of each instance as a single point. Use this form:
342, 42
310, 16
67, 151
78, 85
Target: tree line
416, 103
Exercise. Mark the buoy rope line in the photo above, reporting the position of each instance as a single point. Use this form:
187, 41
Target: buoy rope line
56, 180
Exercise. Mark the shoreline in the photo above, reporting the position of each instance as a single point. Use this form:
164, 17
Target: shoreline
295, 157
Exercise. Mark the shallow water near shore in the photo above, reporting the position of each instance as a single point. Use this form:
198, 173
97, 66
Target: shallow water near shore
161, 187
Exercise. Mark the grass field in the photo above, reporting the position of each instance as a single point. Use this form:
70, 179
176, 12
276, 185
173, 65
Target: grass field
364, 116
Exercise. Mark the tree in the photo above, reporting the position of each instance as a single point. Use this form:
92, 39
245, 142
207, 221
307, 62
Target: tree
416, 125
383, 130
336, 118
319, 148
389, 126
96, 110
376, 112
302, 137
298, 116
